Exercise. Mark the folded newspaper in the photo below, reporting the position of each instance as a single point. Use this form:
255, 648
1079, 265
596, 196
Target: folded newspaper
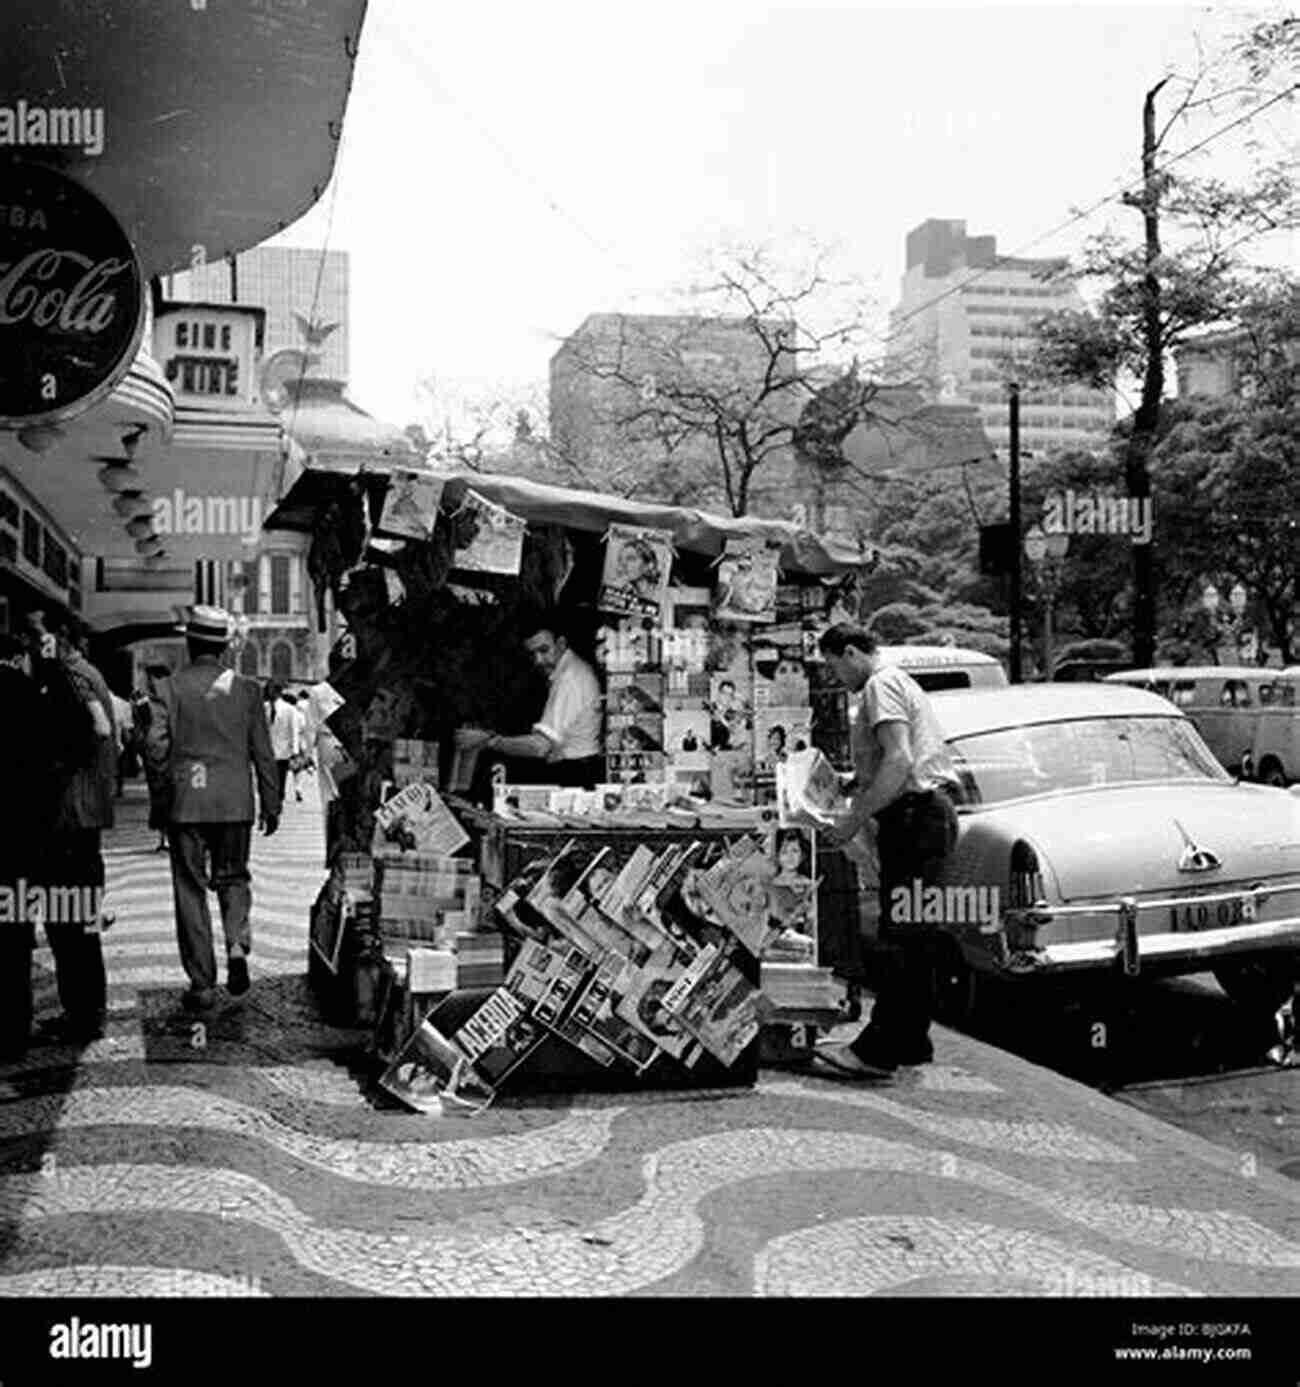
809, 792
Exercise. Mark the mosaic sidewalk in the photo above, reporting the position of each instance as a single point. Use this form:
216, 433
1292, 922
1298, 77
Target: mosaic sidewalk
259, 1165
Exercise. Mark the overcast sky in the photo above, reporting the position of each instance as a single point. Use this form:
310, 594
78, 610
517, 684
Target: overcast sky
507, 169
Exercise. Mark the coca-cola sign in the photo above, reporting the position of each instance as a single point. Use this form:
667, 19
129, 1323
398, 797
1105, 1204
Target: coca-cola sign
71, 297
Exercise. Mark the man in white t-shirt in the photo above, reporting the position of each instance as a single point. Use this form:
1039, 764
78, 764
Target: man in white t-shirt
283, 726
905, 785
567, 736
297, 763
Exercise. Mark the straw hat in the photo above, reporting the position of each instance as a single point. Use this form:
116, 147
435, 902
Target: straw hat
209, 624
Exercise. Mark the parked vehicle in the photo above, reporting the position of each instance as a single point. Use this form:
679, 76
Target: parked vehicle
937, 667
1249, 716
1111, 841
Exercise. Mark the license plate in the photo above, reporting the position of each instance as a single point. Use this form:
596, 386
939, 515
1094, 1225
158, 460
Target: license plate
1212, 915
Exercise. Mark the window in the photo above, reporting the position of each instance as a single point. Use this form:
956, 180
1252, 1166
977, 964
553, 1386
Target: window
281, 662
280, 584
1236, 694
54, 559
248, 660
31, 538
9, 510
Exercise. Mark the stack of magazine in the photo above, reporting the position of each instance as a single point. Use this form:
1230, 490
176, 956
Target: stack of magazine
629, 953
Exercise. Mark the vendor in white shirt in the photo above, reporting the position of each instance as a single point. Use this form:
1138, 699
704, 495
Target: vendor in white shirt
567, 736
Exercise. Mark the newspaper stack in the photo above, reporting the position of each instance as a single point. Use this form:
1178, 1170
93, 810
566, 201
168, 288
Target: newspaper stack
426, 897
415, 762
479, 960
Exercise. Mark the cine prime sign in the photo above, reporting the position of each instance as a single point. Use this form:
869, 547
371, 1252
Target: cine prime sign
72, 304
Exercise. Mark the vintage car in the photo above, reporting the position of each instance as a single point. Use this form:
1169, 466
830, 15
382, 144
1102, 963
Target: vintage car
1099, 836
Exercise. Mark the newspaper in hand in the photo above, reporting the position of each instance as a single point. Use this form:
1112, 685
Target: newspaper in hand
808, 790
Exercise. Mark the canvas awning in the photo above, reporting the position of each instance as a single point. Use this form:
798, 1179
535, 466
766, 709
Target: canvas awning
695, 531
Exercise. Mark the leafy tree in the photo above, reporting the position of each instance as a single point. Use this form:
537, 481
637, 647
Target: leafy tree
1150, 297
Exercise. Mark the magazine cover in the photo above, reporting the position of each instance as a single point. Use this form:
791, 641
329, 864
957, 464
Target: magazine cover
429, 1067
630, 694
717, 1004
686, 738
731, 714
635, 767
632, 732
594, 1029
792, 891
416, 820
411, 505
778, 732
499, 1037
638, 995
638, 562
498, 544
735, 890
731, 776
746, 590
547, 980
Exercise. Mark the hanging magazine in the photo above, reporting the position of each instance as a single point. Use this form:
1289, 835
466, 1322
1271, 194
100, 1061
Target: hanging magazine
717, 1004
746, 590
638, 562
411, 505
498, 543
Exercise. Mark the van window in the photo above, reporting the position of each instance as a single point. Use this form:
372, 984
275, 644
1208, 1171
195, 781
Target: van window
934, 680
1279, 695
1183, 693
1236, 694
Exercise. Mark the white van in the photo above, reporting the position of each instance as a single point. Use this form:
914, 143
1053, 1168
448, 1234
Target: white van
937, 667
1248, 716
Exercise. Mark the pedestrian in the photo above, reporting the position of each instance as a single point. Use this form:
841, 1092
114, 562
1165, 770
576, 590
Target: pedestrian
302, 751
208, 738
27, 758
123, 723
905, 784
146, 702
73, 867
284, 733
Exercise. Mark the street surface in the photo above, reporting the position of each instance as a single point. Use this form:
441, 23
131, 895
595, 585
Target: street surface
254, 1160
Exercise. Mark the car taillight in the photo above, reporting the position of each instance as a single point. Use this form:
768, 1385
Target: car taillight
1025, 891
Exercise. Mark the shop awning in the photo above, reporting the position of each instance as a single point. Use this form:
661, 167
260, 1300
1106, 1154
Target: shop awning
694, 531
214, 125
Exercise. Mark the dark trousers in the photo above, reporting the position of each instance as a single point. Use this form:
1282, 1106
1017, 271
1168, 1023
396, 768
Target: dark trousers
16, 943
282, 774
73, 859
211, 856
915, 835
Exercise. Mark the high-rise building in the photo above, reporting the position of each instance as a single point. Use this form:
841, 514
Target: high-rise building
965, 309
303, 291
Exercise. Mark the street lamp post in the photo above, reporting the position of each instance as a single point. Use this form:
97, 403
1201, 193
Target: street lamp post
1046, 552
1013, 516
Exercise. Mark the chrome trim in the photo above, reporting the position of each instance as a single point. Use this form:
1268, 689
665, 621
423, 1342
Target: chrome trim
1191, 947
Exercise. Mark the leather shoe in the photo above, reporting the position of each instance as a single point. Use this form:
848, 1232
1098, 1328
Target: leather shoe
199, 999
237, 976
842, 1059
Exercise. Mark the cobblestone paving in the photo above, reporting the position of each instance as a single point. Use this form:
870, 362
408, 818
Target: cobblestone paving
262, 1163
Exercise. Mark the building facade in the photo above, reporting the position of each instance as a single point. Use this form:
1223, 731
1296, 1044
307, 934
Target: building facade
963, 310
302, 291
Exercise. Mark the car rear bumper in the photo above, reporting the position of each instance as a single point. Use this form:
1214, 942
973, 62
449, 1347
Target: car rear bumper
1134, 946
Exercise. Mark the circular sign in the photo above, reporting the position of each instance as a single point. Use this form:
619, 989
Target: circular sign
72, 305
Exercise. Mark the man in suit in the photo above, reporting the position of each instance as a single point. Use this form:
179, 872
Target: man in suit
207, 739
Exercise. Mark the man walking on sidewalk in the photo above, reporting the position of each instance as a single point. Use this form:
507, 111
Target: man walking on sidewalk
207, 738
905, 783
284, 734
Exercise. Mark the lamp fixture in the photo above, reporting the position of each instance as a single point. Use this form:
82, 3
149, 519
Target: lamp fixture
121, 479
40, 438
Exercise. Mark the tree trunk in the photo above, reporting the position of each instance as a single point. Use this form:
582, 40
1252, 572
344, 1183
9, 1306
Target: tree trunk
1147, 418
